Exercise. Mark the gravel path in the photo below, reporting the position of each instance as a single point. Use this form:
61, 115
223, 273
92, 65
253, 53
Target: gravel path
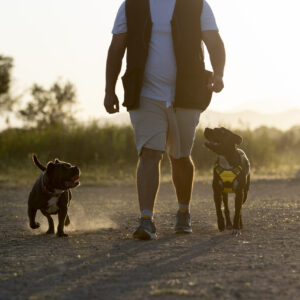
100, 260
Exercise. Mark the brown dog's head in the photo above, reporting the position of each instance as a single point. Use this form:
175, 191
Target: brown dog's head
62, 175
221, 140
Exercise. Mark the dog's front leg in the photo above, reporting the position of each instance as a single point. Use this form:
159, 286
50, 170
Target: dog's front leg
62, 214
50, 222
246, 189
239, 196
31, 214
226, 211
218, 204
67, 221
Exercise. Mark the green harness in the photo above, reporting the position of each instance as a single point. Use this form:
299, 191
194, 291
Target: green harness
228, 176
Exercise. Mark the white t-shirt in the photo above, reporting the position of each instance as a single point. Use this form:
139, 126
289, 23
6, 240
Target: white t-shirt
160, 71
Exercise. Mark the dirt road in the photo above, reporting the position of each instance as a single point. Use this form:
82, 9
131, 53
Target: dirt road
100, 260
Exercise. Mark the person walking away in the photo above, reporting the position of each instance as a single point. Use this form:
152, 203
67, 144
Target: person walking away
165, 67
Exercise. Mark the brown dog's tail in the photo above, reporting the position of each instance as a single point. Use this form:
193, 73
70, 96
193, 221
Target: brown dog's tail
37, 163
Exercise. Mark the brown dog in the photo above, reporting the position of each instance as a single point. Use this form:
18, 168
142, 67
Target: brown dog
231, 175
51, 194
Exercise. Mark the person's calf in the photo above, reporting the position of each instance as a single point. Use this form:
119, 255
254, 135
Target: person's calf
148, 172
183, 177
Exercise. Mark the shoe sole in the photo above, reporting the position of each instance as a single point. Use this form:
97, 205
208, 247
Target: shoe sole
142, 234
183, 231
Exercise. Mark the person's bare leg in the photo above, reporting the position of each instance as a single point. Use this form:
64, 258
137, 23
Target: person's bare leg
183, 176
148, 174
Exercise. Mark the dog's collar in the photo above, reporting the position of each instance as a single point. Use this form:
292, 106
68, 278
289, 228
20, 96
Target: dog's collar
56, 193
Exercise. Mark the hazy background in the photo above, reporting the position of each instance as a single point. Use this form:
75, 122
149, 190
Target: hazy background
69, 39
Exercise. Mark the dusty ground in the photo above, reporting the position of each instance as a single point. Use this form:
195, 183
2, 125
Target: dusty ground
100, 260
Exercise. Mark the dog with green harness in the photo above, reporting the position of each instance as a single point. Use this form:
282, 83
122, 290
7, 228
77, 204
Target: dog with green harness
231, 175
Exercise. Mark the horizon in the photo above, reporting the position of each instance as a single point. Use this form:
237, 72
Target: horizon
72, 44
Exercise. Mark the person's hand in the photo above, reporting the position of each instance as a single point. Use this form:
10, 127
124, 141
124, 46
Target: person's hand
216, 83
111, 103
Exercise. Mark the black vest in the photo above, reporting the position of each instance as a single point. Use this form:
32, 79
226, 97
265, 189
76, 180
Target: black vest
191, 79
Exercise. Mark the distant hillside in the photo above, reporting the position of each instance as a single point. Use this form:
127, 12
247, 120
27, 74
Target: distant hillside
242, 120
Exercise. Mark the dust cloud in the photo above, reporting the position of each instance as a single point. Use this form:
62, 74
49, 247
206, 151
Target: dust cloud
82, 219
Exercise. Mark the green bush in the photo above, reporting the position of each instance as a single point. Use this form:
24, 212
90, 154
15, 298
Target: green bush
92, 145
81, 144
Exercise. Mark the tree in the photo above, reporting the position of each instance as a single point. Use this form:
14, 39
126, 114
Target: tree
5, 68
6, 101
50, 107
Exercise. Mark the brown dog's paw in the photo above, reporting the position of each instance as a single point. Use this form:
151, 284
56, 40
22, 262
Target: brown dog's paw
61, 234
35, 225
50, 231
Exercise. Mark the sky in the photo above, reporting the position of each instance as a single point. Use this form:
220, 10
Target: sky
69, 39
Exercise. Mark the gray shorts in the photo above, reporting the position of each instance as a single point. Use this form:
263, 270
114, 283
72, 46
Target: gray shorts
160, 128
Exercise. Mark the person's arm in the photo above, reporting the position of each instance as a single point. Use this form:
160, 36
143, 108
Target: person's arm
216, 50
113, 67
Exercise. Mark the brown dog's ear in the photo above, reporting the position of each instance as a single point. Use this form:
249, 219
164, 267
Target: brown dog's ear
50, 167
238, 139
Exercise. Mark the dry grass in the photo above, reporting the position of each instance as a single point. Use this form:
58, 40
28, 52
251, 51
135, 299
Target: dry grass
125, 175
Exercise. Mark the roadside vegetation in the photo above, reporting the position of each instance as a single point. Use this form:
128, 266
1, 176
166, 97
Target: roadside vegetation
107, 154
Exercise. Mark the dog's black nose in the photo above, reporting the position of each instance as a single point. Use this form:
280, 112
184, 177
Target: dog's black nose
76, 169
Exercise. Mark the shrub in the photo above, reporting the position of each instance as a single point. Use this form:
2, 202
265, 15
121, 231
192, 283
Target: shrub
92, 145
